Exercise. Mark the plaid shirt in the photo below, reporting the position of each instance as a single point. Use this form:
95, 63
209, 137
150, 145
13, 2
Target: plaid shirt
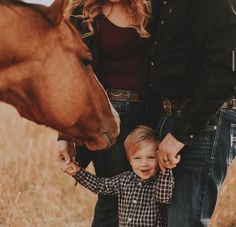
138, 200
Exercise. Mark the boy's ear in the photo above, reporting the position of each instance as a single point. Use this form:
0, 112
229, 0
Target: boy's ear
130, 161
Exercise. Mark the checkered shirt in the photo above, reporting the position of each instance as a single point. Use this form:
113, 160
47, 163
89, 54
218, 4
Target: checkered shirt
139, 201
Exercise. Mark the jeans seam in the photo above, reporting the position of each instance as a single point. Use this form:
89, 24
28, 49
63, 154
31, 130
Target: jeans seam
216, 136
202, 195
232, 141
162, 125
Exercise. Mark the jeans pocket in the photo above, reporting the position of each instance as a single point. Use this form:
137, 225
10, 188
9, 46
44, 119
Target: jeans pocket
232, 142
201, 151
207, 135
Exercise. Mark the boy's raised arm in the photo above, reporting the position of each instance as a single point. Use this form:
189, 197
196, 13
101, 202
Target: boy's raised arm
165, 186
98, 185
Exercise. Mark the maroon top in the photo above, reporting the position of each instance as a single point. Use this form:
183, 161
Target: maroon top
122, 57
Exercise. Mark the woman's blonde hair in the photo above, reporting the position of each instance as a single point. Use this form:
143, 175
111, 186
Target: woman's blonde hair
140, 137
140, 10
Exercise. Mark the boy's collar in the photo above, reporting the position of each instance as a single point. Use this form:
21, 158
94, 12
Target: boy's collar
144, 181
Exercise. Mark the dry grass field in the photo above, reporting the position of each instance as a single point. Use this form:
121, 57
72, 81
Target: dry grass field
34, 192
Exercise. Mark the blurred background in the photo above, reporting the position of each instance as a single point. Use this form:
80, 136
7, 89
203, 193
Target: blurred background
34, 191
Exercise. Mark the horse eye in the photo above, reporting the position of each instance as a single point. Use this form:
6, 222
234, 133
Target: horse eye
87, 61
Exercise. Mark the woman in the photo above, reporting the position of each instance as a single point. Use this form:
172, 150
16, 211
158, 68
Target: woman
115, 31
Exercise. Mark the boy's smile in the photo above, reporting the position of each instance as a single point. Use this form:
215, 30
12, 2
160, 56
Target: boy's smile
144, 161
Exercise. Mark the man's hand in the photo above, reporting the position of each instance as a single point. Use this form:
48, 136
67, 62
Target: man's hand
167, 152
66, 151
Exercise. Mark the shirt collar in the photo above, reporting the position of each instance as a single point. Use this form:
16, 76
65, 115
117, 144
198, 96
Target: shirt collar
138, 180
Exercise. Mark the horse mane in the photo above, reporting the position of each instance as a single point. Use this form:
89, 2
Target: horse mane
13, 2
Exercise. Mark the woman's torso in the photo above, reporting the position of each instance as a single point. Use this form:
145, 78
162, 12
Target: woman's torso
121, 56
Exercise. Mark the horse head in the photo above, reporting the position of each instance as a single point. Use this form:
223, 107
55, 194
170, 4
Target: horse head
46, 74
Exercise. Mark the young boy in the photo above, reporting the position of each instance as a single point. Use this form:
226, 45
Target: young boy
139, 192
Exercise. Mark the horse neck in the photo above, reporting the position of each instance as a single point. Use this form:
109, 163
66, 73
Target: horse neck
19, 42
27, 23
21, 39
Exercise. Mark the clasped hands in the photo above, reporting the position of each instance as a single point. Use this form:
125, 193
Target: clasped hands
66, 158
167, 153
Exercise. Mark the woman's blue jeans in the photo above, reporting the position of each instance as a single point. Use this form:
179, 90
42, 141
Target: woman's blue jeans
113, 161
202, 169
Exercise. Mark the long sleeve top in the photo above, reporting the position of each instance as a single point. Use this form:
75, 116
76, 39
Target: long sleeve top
138, 201
193, 58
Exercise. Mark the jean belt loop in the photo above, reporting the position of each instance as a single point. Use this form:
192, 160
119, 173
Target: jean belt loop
127, 108
230, 103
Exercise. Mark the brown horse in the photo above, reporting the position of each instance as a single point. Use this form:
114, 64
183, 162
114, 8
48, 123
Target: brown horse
45, 73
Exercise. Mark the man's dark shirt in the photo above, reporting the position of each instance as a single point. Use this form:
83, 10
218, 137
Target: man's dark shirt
193, 57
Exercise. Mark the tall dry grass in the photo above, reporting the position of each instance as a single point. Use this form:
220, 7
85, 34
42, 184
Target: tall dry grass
34, 192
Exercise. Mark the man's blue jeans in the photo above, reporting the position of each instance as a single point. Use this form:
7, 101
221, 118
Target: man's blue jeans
202, 169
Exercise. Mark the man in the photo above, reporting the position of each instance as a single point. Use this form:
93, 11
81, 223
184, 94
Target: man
193, 71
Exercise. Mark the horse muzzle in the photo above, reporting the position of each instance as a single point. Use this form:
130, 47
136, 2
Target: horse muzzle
104, 142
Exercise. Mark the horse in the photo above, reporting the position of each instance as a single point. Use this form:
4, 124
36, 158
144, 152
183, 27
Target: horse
46, 74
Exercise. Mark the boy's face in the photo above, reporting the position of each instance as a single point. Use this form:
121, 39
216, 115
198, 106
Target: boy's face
144, 161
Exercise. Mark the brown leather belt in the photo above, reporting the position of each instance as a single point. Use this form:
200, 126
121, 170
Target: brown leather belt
170, 105
123, 95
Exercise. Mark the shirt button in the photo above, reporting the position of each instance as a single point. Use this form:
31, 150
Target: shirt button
155, 43
191, 136
152, 63
170, 11
165, 2
134, 201
162, 22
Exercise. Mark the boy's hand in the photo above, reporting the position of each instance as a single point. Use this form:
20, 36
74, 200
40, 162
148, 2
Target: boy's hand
168, 164
71, 168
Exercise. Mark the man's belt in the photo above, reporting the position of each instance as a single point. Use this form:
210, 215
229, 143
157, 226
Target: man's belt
170, 105
123, 95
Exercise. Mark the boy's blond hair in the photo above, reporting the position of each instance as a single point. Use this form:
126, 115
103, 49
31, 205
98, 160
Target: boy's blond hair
138, 138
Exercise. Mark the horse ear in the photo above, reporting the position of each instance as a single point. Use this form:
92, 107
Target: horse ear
54, 13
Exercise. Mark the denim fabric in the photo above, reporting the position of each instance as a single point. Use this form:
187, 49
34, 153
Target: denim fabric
202, 169
113, 161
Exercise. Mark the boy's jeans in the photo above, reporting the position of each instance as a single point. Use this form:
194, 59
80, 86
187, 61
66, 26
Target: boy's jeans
202, 169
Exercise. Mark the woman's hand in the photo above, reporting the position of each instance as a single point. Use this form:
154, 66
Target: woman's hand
71, 168
66, 151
